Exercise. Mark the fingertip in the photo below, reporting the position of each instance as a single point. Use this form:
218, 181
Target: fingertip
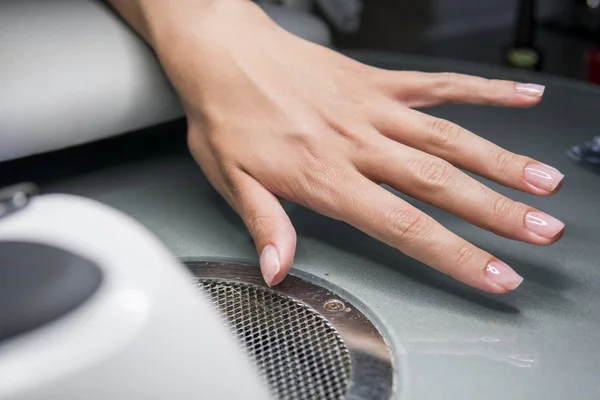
542, 241
542, 179
497, 289
496, 278
528, 94
529, 188
558, 187
270, 264
279, 276
558, 236
484, 283
501, 277
513, 94
526, 102
277, 279
519, 100
276, 259
530, 90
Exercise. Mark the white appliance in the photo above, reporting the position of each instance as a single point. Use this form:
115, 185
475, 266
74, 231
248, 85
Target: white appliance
72, 72
94, 307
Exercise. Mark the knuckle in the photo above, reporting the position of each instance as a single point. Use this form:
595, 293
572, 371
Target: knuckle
502, 208
314, 173
407, 225
227, 171
493, 84
318, 172
503, 160
488, 90
444, 134
303, 138
483, 83
320, 190
447, 78
433, 174
307, 149
447, 82
317, 184
317, 167
257, 224
464, 255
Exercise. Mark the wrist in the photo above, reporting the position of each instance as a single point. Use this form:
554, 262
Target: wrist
167, 23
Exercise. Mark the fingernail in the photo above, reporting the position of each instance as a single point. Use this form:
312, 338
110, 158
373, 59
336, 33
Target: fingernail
269, 263
542, 176
543, 225
503, 275
530, 89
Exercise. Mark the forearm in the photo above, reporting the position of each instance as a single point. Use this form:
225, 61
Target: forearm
199, 41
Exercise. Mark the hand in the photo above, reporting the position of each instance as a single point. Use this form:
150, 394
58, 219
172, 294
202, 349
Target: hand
272, 116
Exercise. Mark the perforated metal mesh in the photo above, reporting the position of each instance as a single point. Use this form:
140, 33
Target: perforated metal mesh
298, 352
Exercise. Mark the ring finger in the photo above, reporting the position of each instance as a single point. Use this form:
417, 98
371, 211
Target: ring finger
437, 182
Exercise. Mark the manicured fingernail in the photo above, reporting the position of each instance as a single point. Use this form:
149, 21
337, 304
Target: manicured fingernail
543, 225
503, 275
530, 89
542, 176
269, 263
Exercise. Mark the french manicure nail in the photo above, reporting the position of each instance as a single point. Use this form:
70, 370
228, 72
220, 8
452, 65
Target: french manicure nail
543, 225
530, 89
269, 263
503, 275
542, 176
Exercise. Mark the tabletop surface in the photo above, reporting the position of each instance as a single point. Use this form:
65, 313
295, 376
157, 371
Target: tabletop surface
450, 341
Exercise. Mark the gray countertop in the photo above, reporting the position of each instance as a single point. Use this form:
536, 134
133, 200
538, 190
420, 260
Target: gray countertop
450, 341
563, 55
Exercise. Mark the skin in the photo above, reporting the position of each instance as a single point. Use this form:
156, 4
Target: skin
271, 116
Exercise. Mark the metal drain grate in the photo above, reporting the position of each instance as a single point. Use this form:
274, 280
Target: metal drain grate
299, 353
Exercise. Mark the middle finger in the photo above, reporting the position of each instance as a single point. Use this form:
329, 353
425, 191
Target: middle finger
467, 150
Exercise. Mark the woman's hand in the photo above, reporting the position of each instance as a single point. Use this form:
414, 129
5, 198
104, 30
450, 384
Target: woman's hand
272, 116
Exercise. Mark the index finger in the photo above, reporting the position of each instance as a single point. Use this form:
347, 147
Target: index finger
420, 89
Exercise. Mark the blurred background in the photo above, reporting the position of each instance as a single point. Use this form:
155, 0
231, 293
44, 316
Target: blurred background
558, 37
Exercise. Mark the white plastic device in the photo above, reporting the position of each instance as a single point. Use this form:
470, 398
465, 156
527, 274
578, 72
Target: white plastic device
145, 333
71, 72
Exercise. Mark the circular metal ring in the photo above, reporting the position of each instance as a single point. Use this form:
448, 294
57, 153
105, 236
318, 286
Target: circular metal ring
372, 370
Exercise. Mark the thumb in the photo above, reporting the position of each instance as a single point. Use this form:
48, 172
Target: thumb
270, 227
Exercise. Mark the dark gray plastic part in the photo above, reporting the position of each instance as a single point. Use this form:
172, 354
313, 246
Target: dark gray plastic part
40, 283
